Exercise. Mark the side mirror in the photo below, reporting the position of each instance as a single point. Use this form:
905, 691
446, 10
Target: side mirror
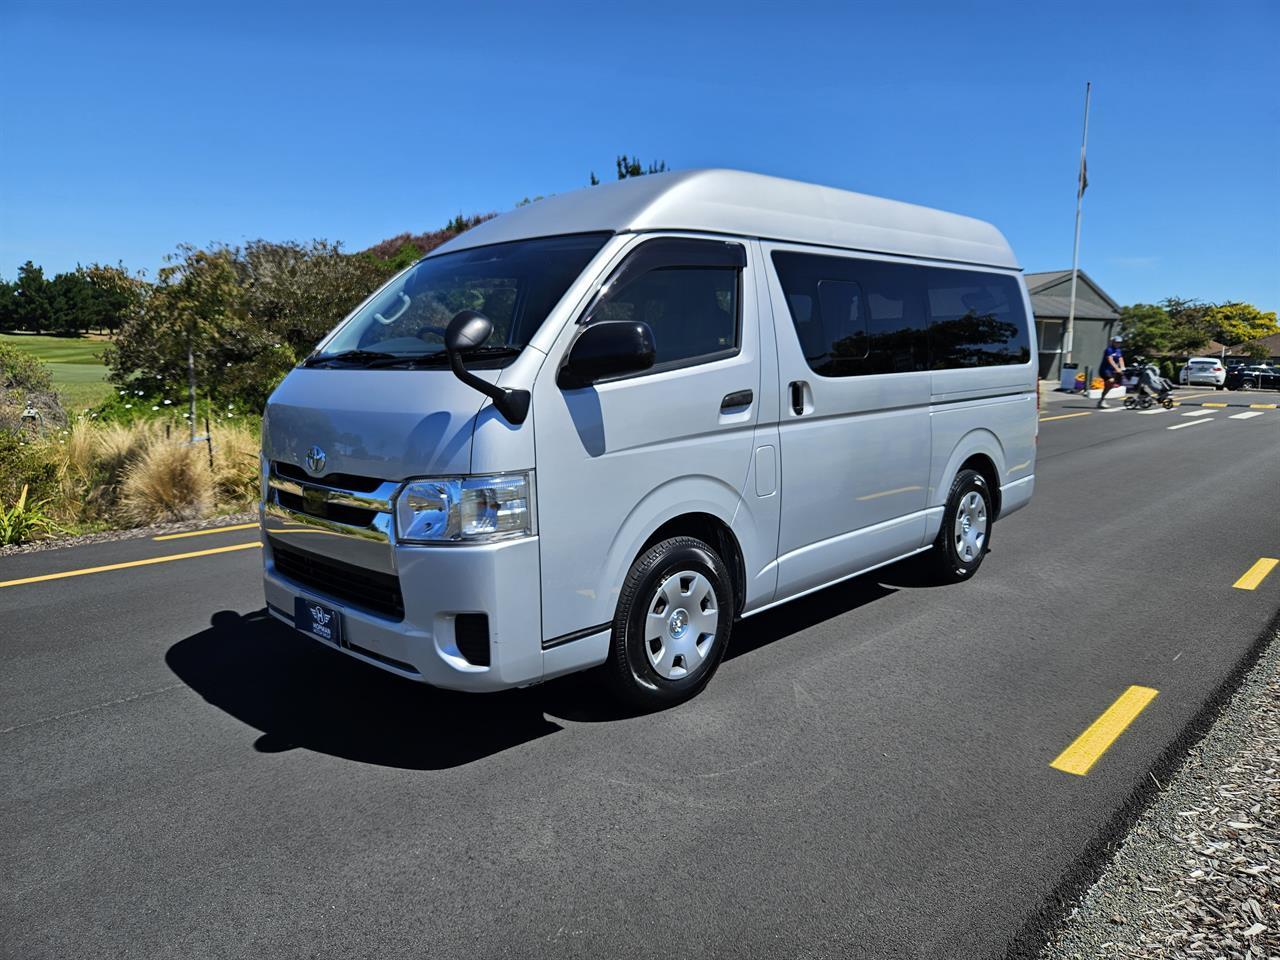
469, 329
610, 348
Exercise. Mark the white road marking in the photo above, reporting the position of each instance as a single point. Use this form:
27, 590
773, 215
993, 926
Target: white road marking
1189, 423
1197, 413
1147, 413
1247, 415
1109, 409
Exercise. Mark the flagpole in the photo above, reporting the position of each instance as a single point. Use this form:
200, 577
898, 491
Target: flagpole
1068, 330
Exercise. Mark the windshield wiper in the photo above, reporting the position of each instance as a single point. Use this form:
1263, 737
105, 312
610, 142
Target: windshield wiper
441, 358
360, 357
380, 359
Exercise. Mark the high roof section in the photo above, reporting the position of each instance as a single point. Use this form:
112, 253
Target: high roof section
752, 205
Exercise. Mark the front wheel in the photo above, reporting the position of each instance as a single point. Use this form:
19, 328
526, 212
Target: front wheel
965, 536
672, 623
1246, 385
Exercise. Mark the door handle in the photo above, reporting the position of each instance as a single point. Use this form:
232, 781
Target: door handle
731, 401
797, 397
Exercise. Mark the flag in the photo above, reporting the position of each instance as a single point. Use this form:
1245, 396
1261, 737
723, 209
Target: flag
1084, 175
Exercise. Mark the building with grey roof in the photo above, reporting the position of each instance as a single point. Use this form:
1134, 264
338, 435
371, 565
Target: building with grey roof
1097, 319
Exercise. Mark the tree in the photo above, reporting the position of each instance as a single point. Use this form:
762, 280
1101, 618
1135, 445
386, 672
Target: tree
1236, 324
32, 308
632, 167
8, 305
190, 330
1190, 327
1147, 328
71, 301
117, 296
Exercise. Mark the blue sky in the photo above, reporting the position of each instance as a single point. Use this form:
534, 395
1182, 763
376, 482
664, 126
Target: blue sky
126, 129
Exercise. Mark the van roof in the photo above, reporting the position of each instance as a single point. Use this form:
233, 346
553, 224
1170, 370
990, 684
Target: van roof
752, 205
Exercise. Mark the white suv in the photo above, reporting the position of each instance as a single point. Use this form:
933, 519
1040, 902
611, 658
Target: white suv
1203, 371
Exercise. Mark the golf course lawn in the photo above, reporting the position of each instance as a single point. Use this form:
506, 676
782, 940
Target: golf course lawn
76, 365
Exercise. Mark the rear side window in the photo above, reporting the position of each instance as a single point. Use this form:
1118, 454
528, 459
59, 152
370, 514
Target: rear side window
861, 317
975, 319
854, 317
686, 290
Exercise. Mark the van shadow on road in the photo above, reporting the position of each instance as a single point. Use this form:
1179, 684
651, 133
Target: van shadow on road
299, 693
302, 694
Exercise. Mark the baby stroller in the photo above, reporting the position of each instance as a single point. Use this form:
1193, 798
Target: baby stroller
1151, 389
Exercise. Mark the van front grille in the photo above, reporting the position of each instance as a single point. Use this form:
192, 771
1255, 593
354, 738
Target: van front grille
363, 589
341, 481
320, 506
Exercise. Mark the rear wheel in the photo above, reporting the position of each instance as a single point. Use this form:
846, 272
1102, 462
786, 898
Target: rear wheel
966, 530
672, 624
1246, 384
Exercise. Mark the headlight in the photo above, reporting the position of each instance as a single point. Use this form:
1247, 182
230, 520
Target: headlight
465, 509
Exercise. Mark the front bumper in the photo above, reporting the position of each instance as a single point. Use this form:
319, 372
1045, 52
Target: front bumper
500, 580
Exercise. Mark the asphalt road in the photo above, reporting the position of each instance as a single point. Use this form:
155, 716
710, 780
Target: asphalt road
867, 776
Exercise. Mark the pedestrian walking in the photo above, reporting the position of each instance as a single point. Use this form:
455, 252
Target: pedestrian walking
1111, 370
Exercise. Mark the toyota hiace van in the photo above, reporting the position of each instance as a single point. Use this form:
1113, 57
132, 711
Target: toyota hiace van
602, 428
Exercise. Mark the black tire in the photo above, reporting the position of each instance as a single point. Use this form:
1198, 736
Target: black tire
1246, 384
631, 673
944, 562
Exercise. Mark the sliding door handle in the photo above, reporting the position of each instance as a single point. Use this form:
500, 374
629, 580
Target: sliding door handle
734, 401
797, 397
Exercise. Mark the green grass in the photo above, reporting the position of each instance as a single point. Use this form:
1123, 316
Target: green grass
76, 365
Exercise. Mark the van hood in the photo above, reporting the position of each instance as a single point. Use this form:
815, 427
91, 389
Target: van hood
388, 424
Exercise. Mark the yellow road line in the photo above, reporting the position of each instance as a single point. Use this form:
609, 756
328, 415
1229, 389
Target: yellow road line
131, 563
1263, 406
1065, 416
1256, 574
1094, 742
201, 533
1213, 404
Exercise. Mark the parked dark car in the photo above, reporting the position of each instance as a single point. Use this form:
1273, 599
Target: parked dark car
1260, 376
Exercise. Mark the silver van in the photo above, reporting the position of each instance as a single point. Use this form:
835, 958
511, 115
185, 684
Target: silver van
600, 429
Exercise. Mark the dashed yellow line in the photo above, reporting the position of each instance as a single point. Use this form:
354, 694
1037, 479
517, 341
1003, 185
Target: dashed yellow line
1213, 405
131, 563
1065, 416
1256, 574
1097, 739
201, 533
1263, 406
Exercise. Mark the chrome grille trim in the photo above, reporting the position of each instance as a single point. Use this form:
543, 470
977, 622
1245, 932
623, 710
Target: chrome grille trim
363, 544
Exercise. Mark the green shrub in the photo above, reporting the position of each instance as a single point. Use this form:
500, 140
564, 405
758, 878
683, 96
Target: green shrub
20, 370
27, 385
25, 520
25, 463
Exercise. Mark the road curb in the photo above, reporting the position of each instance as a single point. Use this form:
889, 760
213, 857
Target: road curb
1039, 927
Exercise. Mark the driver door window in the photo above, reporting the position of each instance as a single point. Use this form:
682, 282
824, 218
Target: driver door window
687, 291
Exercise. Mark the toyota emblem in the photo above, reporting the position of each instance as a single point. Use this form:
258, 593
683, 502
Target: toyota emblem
315, 461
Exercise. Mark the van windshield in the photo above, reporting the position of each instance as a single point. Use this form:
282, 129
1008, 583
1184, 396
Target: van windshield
513, 284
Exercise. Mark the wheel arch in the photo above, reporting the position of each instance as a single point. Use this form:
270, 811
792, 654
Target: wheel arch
715, 533
979, 450
699, 506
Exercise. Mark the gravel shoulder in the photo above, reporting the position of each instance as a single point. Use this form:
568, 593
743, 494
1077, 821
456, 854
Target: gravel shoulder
132, 533
1198, 875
